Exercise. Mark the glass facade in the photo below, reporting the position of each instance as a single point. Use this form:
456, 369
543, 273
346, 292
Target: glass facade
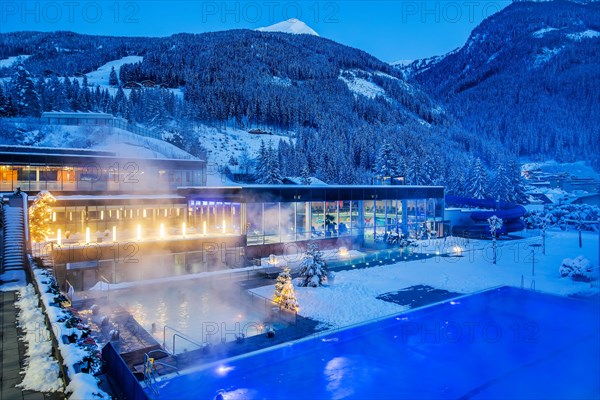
267, 219
63, 172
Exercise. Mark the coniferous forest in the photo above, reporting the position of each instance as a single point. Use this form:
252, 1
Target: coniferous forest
464, 122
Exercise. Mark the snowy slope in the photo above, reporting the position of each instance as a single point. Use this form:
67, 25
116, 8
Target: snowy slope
361, 86
221, 144
292, 25
8, 62
100, 77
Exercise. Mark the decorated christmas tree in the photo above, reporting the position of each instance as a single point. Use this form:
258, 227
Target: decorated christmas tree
40, 215
285, 295
313, 269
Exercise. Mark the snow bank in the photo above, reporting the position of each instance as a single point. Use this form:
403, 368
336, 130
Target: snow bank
65, 323
13, 280
41, 371
85, 387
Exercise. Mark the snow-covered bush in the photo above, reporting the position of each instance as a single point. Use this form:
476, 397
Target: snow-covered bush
578, 269
313, 270
568, 216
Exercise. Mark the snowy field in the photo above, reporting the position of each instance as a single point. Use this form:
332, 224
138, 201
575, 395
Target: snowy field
352, 297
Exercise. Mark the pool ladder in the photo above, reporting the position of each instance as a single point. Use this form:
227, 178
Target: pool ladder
149, 369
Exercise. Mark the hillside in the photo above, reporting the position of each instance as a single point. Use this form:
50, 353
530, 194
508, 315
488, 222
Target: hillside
529, 76
335, 103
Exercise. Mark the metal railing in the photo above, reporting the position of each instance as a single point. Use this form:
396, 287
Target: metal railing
178, 334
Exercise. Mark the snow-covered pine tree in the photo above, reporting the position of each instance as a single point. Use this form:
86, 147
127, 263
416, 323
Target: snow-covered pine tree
386, 162
313, 270
113, 80
274, 172
285, 294
288, 296
25, 98
40, 215
305, 175
501, 189
260, 171
3, 103
517, 192
478, 184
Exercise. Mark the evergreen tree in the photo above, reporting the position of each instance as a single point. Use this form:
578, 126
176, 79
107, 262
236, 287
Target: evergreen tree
75, 96
477, 187
501, 185
40, 216
3, 103
305, 176
386, 163
261, 163
285, 294
518, 194
25, 98
113, 80
273, 170
313, 269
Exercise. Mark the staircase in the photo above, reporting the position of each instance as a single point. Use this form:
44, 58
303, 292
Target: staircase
13, 233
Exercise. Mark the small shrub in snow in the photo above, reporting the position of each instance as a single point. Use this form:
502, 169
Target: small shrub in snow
578, 269
313, 269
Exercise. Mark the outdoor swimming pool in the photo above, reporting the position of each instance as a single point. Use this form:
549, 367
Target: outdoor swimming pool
210, 312
501, 343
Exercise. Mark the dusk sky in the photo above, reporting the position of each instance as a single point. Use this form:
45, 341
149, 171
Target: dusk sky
391, 30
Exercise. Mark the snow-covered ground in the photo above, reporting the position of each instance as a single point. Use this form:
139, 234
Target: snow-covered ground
8, 62
100, 77
361, 86
541, 32
41, 372
352, 297
221, 144
587, 34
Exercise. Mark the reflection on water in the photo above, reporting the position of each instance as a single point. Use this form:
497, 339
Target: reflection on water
204, 312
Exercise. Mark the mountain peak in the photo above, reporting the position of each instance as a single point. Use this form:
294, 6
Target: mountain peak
292, 25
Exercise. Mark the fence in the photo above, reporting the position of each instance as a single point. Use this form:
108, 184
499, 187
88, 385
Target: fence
118, 370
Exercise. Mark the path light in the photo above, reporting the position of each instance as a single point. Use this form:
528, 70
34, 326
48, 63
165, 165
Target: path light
87, 235
457, 251
183, 229
114, 233
204, 228
102, 214
53, 216
162, 231
59, 237
139, 233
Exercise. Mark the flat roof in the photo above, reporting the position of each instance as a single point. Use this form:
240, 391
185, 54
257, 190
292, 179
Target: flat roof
56, 157
292, 193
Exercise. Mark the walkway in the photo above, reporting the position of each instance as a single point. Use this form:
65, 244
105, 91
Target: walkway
13, 354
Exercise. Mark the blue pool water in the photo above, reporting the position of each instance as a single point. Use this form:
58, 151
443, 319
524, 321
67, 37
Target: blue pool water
503, 343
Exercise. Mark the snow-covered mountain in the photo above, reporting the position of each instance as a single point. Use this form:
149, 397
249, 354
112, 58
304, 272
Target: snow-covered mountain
528, 76
292, 25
